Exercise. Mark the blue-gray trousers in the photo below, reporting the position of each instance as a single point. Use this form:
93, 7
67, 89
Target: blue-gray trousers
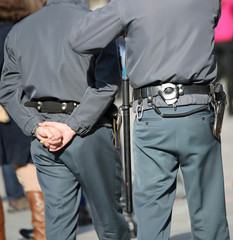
161, 146
95, 164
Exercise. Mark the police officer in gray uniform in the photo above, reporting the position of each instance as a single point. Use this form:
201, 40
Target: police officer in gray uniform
171, 66
44, 80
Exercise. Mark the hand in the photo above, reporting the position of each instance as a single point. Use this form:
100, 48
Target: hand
66, 132
45, 134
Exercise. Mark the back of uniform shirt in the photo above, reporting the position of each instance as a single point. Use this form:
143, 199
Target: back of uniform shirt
48, 65
170, 41
166, 41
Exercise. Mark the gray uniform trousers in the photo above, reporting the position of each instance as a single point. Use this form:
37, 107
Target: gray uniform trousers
161, 145
95, 164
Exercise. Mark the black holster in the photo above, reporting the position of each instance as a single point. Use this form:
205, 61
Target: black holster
219, 104
114, 114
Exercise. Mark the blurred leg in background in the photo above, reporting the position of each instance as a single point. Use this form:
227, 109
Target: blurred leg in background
15, 150
28, 178
15, 194
2, 225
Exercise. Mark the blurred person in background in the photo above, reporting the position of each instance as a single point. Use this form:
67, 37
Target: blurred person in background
224, 49
2, 222
15, 195
15, 146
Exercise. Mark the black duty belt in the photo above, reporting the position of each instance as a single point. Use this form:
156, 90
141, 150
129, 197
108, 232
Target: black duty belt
169, 91
53, 106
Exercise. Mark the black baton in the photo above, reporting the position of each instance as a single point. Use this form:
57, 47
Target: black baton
127, 150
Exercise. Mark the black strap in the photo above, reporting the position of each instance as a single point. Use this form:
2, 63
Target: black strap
153, 91
53, 106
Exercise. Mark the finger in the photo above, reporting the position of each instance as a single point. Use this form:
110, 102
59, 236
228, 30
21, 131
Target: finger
42, 138
43, 132
43, 124
54, 149
47, 124
54, 143
49, 143
56, 137
45, 144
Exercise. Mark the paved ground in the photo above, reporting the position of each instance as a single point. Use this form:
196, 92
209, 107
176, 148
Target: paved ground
180, 223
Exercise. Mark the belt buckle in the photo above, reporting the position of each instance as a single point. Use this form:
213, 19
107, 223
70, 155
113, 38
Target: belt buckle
170, 92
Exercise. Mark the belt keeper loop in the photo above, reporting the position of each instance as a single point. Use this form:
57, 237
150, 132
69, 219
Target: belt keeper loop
149, 96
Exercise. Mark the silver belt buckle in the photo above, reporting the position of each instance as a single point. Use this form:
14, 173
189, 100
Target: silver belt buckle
170, 92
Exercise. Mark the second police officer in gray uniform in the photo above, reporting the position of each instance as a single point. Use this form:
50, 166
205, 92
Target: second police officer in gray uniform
171, 66
44, 80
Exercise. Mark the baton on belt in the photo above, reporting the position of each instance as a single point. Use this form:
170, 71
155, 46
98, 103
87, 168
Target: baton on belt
127, 150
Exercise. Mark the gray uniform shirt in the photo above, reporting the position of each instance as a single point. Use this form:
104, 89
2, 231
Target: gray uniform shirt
40, 64
166, 41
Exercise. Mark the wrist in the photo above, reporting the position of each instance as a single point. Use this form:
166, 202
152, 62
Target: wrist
34, 130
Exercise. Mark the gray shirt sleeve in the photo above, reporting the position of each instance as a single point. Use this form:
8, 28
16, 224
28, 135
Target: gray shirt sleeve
97, 98
96, 30
101, 93
12, 91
